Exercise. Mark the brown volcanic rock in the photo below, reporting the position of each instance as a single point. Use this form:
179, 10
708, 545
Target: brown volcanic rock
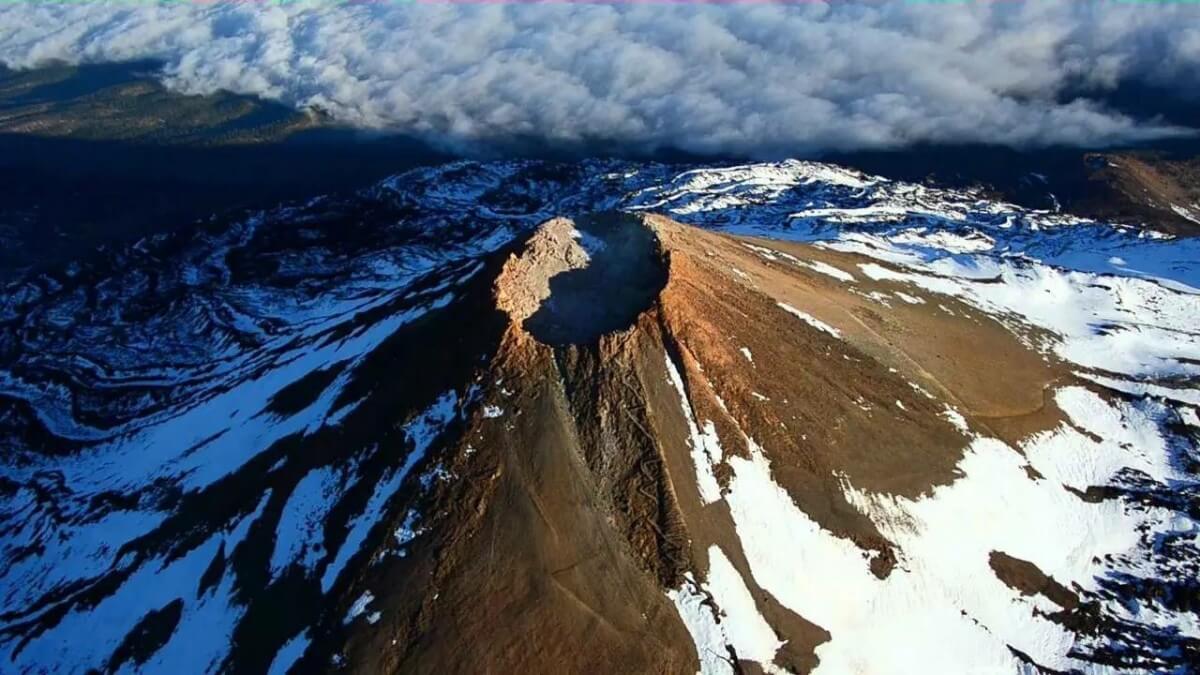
539, 578
524, 282
574, 503
1144, 187
562, 293
1026, 578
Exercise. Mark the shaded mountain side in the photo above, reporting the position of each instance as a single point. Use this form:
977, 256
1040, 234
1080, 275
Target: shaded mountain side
1158, 188
1152, 185
100, 156
367, 422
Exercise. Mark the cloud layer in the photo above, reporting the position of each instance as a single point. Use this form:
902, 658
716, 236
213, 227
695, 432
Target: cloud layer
758, 79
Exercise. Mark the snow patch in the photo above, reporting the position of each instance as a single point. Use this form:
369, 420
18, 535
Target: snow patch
701, 623
751, 636
289, 654
827, 269
360, 605
942, 606
956, 418
705, 446
811, 320
421, 432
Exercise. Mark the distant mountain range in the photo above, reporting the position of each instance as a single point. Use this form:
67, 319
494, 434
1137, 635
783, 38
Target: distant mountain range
104, 154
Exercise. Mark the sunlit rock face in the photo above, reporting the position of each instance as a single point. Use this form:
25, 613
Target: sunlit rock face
579, 280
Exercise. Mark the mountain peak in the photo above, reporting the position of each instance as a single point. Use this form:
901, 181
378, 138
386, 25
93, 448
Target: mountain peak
577, 280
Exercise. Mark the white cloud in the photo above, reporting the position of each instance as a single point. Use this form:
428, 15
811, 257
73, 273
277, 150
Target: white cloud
760, 79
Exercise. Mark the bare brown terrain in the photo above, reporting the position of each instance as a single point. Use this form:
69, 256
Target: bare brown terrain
575, 504
1025, 577
1145, 187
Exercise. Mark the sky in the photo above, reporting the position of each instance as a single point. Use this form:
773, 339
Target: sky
753, 78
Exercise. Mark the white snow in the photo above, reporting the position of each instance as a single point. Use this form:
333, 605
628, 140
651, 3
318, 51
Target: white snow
811, 320
590, 243
1185, 213
1124, 325
763, 252
942, 609
956, 419
739, 624
1189, 416
421, 432
407, 531
708, 635
705, 446
826, 269
360, 605
289, 654
1120, 303
192, 447
946, 240
718, 188
299, 535
1179, 394
199, 642
749, 633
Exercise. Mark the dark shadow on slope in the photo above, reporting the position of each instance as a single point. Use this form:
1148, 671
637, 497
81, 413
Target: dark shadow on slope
61, 197
623, 277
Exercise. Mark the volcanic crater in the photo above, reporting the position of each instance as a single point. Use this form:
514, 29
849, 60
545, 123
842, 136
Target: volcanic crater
577, 280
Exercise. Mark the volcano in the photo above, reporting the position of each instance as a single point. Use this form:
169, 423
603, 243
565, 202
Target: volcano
635, 362
607, 442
